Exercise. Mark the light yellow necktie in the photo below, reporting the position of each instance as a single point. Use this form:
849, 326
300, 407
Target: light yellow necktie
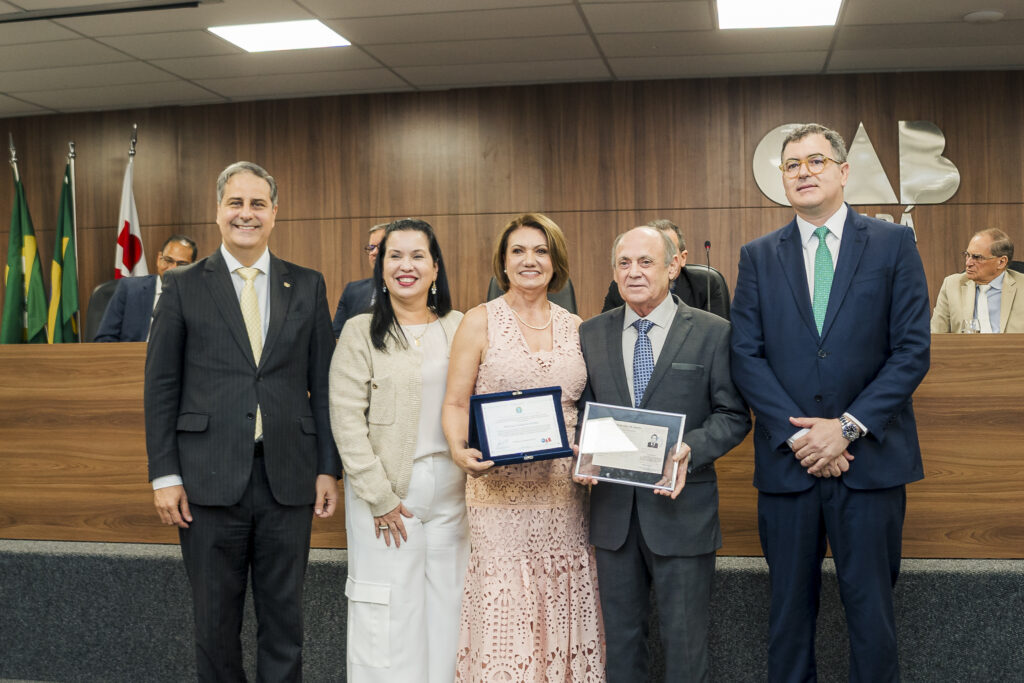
253, 325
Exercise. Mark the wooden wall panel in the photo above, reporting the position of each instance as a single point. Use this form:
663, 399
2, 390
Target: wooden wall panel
601, 156
73, 453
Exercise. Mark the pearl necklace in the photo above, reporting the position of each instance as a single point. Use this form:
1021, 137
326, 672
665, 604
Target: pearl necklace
551, 315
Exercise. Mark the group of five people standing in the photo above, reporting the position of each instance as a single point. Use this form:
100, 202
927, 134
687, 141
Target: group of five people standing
520, 573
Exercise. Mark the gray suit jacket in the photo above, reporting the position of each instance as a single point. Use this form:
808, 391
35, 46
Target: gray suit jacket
691, 377
203, 385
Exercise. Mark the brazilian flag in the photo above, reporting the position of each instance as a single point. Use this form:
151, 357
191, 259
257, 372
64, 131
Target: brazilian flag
64, 273
24, 318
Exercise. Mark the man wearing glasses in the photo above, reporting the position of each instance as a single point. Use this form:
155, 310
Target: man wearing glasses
358, 295
130, 310
984, 297
829, 340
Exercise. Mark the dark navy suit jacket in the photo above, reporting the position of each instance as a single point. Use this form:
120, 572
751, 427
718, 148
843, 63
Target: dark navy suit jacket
872, 352
129, 311
355, 299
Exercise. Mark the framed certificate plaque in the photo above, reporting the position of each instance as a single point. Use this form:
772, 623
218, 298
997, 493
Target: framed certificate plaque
630, 446
518, 426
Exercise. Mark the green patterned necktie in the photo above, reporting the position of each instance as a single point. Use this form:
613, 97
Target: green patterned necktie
822, 278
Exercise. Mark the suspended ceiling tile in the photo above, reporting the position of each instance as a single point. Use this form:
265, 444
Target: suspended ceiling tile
96, 75
502, 74
269, 63
640, 17
179, 44
714, 42
480, 25
699, 66
302, 85
122, 96
485, 51
332, 9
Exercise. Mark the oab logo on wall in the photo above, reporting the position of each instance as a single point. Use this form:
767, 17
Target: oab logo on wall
926, 177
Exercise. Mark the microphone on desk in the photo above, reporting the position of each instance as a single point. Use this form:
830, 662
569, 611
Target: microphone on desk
707, 253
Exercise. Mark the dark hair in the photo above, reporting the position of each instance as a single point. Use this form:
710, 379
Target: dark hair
383, 322
557, 249
245, 167
182, 239
806, 129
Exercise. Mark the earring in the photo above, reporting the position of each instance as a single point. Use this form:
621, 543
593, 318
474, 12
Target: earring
384, 288
433, 288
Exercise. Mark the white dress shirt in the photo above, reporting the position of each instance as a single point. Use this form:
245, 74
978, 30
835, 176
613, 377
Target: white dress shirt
993, 300
662, 317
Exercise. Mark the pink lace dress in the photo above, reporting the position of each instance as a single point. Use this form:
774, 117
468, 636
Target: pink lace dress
530, 608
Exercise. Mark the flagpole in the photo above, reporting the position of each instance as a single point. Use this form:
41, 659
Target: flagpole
74, 234
135, 139
14, 156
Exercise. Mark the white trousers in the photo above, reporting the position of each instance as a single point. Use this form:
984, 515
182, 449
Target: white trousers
404, 603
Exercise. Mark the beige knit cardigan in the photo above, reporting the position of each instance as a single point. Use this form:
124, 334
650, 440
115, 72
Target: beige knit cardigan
375, 410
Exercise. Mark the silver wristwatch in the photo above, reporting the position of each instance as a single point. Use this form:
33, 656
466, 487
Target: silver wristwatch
851, 432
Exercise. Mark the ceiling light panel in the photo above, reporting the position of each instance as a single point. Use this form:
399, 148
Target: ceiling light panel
734, 14
281, 35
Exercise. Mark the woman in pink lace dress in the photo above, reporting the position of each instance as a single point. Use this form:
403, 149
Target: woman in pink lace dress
530, 606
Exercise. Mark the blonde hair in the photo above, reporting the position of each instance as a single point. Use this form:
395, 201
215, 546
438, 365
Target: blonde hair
557, 249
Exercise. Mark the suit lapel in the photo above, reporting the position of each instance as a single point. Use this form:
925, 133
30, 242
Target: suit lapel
680, 328
791, 257
218, 282
851, 248
279, 289
967, 299
612, 343
1006, 300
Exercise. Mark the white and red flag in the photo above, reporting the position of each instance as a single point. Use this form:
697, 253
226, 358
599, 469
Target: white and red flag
129, 259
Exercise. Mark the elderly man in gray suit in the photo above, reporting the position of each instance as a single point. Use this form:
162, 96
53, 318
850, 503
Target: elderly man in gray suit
238, 430
657, 353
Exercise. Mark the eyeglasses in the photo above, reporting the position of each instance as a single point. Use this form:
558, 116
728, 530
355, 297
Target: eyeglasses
815, 165
370, 248
977, 258
174, 262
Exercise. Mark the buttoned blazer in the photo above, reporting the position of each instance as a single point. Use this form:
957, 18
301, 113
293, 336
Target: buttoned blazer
871, 355
356, 298
203, 384
692, 377
955, 303
129, 311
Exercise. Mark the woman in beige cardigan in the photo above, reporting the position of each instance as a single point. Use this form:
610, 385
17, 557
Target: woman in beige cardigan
405, 511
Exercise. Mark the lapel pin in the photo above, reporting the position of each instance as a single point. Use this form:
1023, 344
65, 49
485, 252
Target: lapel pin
287, 284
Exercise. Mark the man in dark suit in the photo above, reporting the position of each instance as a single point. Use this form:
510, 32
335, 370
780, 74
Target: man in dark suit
658, 353
358, 295
130, 310
694, 286
238, 431
830, 339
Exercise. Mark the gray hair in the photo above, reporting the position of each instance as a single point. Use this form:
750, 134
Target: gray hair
245, 167
664, 224
379, 226
834, 138
670, 249
1002, 245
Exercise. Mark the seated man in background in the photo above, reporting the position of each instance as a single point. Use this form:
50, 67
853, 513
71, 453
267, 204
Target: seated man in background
690, 286
358, 295
131, 308
985, 291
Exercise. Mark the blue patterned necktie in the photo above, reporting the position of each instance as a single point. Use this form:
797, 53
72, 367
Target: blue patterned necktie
643, 359
822, 278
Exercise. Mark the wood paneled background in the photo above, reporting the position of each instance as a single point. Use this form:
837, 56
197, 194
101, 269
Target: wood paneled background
597, 157
74, 461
